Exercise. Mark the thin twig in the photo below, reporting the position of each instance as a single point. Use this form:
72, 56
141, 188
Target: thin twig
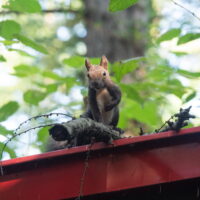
59, 10
192, 13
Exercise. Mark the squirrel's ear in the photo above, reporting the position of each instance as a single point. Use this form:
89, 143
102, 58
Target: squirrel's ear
88, 64
104, 62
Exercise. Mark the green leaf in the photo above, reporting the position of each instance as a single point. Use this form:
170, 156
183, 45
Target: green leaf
52, 75
131, 92
116, 5
78, 61
31, 43
188, 37
8, 150
34, 96
8, 42
21, 52
9, 28
4, 131
172, 86
169, 35
8, 109
43, 134
160, 73
2, 59
70, 82
25, 70
133, 110
51, 88
179, 53
188, 74
190, 97
120, 69
30, 6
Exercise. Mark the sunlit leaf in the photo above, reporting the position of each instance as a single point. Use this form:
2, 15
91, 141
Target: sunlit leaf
43, 135
78, 61
146, 113
188, 37
34, 96
172, 86
21, 52
30, 6
179, 53
116, 5
9, 28
122, 68
160, 73
25, 70
2, 59
8, 42
70, 82
7, 149
8, 109
172, 33
188, 74
51, 87
131, 92
31, 43
52, 75
4, 131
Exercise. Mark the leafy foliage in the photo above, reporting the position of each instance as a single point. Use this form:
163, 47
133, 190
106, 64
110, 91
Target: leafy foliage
117, 5
122, 68
146, 82
172, 33
25, 70
30, 6
188, 37
31, 43
2, 59
8, 109
9, 150
9, 28
34, 96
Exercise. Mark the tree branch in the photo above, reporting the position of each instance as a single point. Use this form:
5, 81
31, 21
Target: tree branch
82, 130
192, 13
59, 10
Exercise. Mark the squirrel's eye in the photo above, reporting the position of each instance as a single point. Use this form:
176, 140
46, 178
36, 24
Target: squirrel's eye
104, 73
88, 75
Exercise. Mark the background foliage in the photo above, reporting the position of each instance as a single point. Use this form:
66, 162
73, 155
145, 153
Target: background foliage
154, 60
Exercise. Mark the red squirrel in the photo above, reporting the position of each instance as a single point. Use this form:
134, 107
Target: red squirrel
103, 95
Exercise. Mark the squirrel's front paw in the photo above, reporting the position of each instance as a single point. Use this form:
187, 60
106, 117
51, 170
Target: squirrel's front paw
109, 107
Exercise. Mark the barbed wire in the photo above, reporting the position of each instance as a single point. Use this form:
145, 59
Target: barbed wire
15, 134
40, 116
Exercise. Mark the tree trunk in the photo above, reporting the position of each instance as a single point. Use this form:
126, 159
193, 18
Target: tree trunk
119, 35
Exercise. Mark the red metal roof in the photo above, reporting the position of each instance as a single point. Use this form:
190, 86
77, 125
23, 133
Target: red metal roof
129, 163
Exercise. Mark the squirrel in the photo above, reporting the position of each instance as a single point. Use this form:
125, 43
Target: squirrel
103, 95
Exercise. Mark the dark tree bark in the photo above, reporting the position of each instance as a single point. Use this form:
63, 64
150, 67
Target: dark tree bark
119, 35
